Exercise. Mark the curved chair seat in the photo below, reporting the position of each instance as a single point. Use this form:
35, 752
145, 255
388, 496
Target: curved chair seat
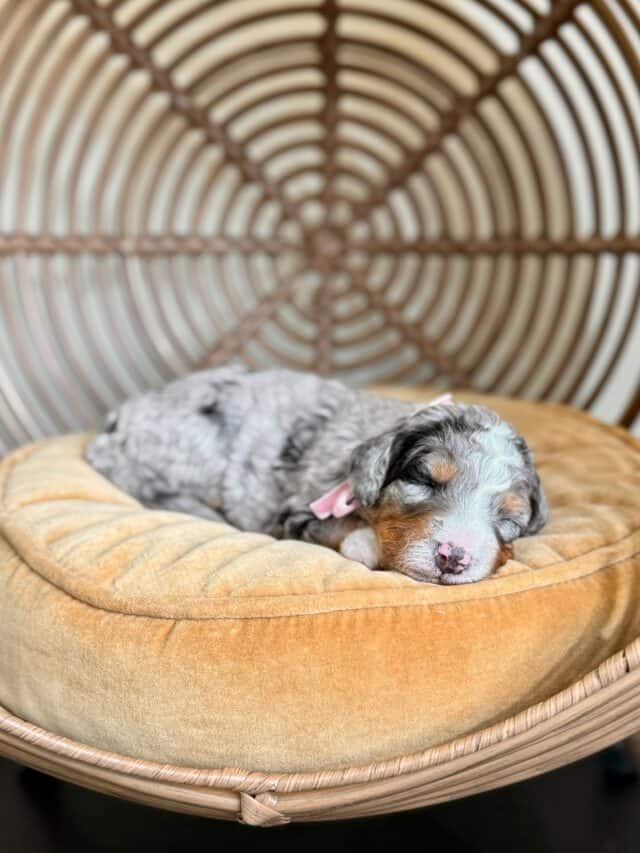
592, 713
415, 192
145, 648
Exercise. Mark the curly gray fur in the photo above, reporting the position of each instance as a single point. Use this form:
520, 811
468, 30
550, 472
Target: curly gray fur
256, 448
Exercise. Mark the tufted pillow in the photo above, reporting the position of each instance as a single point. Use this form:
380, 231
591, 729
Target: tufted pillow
162, 636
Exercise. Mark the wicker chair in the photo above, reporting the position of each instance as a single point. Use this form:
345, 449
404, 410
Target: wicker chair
416, 192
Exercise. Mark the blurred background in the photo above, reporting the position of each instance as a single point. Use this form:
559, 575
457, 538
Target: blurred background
411, 191
435, 192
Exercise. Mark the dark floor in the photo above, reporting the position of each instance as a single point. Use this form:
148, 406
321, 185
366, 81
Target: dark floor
578, 808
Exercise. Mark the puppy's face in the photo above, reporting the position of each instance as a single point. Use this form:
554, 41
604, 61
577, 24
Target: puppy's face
446, 492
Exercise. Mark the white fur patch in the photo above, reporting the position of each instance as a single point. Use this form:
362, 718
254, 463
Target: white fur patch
361, 545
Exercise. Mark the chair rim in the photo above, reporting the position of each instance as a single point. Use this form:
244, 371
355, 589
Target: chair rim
593, 712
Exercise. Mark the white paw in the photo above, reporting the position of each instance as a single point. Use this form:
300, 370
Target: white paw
361, 546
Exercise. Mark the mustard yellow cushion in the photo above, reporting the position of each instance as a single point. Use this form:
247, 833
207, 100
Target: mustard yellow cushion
161, 636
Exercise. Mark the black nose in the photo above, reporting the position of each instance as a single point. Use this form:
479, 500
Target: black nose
451, 559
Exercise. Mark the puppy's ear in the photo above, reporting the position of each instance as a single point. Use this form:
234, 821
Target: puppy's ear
535, 492
370, 462
539, 505
376, 462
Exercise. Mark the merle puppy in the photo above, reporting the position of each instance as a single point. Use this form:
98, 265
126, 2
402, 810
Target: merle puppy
435, 491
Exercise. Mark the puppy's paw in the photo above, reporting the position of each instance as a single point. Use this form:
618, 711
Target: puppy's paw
361, 545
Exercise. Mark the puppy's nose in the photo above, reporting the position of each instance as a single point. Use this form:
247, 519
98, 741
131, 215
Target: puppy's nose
451, 559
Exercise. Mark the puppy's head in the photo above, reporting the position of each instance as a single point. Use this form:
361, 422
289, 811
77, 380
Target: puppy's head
162, 444
446, 492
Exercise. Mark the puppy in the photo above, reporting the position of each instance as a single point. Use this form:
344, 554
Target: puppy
437, 491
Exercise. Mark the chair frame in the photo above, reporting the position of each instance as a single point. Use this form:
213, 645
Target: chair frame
588, 716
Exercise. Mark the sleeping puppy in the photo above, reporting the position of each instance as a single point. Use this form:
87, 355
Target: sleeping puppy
437, 491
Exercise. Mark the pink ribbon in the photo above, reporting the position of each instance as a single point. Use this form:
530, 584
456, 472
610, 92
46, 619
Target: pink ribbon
337, 503
340, 501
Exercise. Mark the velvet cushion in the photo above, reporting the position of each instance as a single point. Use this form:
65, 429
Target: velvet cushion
161, 636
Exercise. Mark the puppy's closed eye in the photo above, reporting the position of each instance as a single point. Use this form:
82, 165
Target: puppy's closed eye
513, 512
429, 467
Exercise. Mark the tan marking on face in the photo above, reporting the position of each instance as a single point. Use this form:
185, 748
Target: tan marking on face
396, 532
514, 503
504, 555
387, 507
442, 469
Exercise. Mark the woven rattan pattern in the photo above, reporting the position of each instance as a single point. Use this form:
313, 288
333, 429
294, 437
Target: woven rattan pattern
399, 192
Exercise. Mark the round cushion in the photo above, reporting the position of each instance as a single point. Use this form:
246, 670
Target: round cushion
161, 636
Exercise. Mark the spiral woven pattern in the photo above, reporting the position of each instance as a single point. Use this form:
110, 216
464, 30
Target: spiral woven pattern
401, 191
